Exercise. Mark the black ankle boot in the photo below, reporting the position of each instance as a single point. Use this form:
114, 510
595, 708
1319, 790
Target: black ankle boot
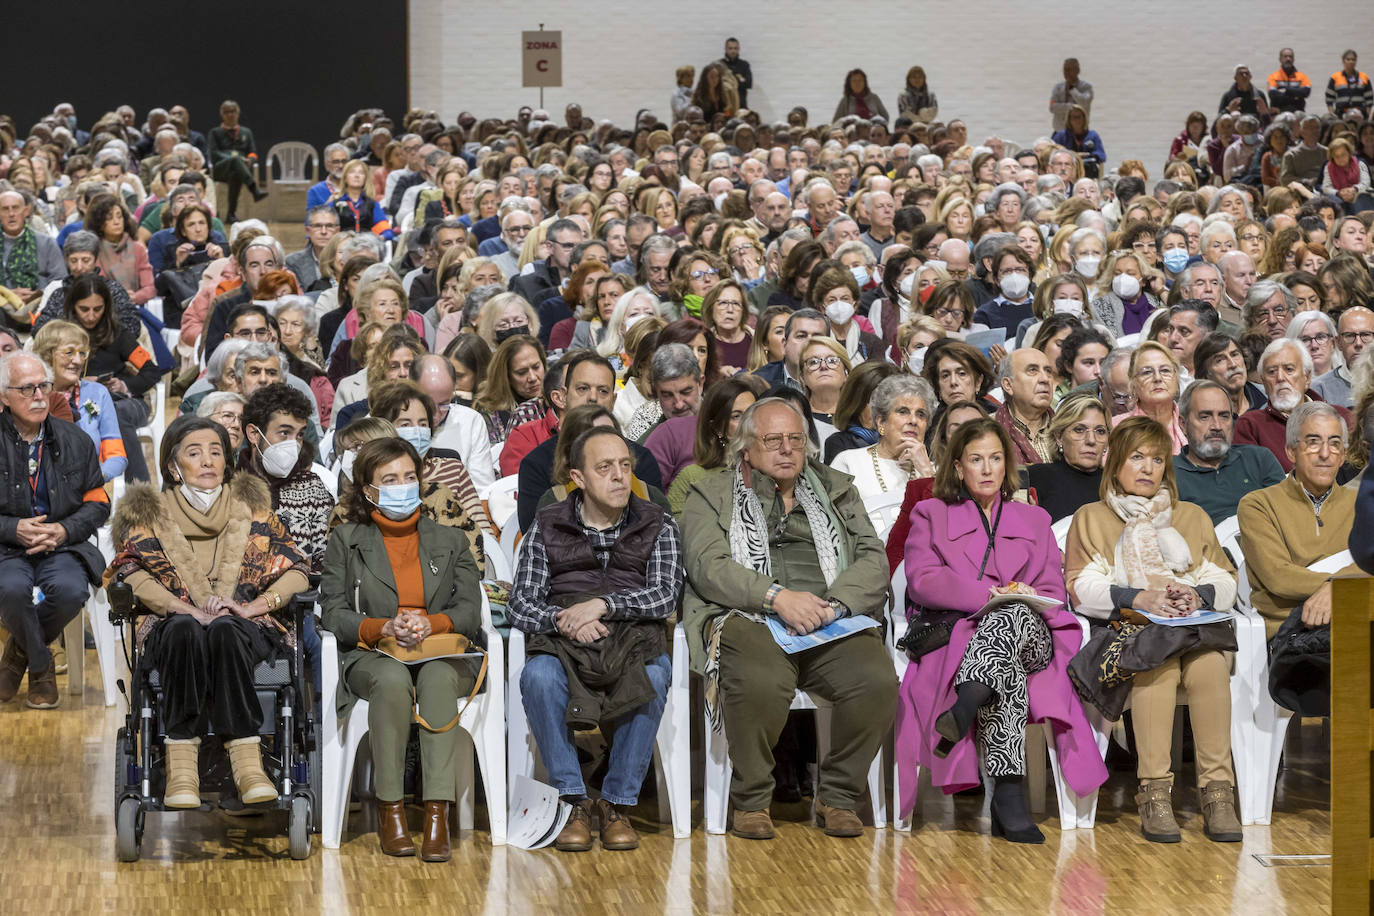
1011, 816
954, 723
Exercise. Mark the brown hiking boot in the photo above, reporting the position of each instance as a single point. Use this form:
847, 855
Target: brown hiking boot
753, 825
1219, 821
616, 830
576, 835
1157, 812
13, 664
43, 689
838, 821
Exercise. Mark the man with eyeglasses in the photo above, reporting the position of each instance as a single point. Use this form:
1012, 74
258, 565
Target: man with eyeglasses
50, 513
516, 226
666, 160
1285, 370
1211, 471
1284, 530
781, 544
262, 255
321, 225
1269, 306
801, 326
548, 275
335, 158
1354, 333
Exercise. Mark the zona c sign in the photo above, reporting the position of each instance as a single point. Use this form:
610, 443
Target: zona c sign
541, 55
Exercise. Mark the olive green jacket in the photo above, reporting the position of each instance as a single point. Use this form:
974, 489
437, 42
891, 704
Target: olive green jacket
717, 584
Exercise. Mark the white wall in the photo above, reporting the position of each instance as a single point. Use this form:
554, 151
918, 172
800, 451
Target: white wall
991, 62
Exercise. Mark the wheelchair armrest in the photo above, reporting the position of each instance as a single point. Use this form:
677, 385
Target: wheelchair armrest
124, 606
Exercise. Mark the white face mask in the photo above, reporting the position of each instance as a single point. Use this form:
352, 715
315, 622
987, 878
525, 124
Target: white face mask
1014, 286
840, 311
632, 321
719, 200
907, 284
1087, 266
916, 360
200, 498
280, 458
1068, 307
1125, 286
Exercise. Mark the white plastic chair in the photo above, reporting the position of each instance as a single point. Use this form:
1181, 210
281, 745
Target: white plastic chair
672, 744
501, 503
297, 160
154, 428
1061, 531
484, 720
328, 477
882, 511
498, 564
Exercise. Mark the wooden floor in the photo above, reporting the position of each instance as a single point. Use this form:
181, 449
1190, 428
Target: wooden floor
57, 855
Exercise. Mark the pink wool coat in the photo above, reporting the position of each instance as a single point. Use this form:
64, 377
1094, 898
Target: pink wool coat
943, 553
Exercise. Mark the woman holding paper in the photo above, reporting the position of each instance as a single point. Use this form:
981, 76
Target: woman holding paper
390, 573
1142, 551
1004, 662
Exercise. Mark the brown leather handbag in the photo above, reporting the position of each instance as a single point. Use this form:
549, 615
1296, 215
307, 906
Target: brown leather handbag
433, 647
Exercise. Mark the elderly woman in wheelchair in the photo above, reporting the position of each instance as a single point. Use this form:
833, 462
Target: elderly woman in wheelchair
217, 569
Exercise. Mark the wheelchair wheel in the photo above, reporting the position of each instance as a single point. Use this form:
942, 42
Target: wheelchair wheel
129, 830
298, 827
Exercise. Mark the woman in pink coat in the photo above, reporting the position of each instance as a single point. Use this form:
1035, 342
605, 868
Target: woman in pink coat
1006, 667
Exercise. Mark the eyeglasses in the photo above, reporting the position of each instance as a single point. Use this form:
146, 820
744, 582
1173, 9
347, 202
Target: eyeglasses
505, 324
948, 313
1275, 314
565, 246
702, 274
227, 418
322, 225
519, 230
1351, 337
253, 333
1251, 237
816, 362
1313, 444
30, 391
773, 441
740, 250
1308, 341
69, 352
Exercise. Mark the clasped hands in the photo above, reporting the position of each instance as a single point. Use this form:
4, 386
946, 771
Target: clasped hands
1174, 599
581, 622
39, 535
409, 627
802, 612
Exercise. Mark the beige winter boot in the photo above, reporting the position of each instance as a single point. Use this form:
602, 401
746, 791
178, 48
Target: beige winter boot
245, 759
183, 773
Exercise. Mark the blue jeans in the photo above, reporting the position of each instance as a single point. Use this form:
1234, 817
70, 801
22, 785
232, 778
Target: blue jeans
544, 686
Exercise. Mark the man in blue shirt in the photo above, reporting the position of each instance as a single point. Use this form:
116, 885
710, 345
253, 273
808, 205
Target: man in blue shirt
335, 158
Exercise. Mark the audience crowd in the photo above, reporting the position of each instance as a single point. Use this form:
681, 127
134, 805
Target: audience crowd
697, 363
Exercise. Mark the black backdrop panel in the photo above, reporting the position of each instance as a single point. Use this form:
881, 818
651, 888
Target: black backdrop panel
297, 68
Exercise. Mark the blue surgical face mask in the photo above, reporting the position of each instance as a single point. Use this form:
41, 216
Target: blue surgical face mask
860, 275
418, 436
398, 501
1175, 259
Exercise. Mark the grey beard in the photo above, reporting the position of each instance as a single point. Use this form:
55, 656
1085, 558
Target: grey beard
1211, 449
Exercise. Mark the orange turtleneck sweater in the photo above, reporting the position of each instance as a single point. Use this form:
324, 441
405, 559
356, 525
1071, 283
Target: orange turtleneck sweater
402, 542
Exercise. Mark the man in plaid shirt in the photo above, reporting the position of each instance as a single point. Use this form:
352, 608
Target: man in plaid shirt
599, 576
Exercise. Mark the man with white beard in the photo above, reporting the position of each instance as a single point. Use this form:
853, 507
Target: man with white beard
1211, 471
1286, 373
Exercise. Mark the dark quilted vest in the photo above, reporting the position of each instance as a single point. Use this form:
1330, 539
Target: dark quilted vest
575, 573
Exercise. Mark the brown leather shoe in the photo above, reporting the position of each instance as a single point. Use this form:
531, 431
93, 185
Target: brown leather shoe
392, 830
576, 835
752, 825
13, 664
838, 821
616, 830
435, 847
43, 689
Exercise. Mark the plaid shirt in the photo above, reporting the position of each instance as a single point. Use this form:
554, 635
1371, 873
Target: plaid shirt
529, 611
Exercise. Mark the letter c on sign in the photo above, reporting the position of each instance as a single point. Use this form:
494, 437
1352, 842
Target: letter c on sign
542, 66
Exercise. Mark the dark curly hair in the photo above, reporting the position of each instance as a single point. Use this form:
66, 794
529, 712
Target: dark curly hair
278, 397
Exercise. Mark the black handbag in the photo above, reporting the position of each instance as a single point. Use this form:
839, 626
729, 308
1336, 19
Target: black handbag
926, 631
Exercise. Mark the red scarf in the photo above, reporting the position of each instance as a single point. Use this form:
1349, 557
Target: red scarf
1347, 177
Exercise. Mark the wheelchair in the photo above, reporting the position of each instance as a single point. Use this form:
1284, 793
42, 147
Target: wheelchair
290, 740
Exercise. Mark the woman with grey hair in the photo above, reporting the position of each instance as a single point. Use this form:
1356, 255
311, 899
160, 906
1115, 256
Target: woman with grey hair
1005, 203
1317, 333
901, 407
226, 409
298, 327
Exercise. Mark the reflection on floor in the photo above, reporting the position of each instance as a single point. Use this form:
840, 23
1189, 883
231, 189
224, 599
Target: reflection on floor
57, 851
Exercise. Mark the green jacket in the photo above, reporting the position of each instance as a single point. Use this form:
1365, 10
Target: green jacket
716, 583
358, 584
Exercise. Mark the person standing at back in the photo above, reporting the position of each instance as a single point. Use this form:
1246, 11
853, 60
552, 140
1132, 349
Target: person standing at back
1288, 86
744, 76
1072, 91
1349, 88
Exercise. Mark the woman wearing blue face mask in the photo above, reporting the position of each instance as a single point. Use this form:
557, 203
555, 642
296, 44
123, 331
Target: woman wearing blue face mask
412, 412
391, 572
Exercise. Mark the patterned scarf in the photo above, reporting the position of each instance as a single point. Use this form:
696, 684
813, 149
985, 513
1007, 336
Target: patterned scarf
20, 269
749, 548
1151, 550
